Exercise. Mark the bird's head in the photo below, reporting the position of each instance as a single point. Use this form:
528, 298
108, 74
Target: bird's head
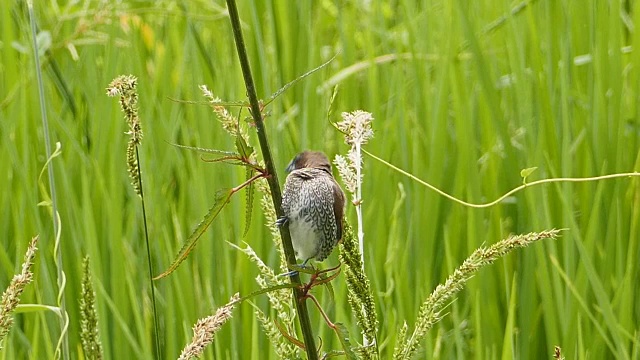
310, 159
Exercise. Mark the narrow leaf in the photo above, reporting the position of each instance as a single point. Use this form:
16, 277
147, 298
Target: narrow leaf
323, 278
232, 160
205, 150
528, 171
332, 354
333, 97
267, 290
243, 148
332, 295
294, 81
249, 202
217, 103
288, 336
26, 308
343, 335
222, 198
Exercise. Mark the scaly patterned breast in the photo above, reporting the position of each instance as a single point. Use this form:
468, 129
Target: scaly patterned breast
308, 203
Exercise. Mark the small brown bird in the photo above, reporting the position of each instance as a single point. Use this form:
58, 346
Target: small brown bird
313, 205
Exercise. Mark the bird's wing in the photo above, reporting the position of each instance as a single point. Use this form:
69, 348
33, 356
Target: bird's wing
338, 208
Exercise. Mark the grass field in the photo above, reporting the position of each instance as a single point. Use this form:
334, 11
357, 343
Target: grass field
465, 95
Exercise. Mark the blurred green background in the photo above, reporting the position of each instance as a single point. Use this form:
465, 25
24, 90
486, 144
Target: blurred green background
465, 95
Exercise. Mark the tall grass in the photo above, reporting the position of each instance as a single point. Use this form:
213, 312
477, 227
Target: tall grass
553, 86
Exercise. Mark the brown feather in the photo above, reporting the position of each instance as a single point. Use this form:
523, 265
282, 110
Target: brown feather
338, 207
310, 159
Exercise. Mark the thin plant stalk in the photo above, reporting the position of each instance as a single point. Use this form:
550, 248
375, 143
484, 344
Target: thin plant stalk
508, 193
356, 127
365, 341
63, 342
274, 186
150, 264
359, 205
125, 87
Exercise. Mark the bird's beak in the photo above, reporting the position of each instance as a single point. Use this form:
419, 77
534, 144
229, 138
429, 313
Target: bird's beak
290, 167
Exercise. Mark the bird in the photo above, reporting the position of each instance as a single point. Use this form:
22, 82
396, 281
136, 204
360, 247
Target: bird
313, 205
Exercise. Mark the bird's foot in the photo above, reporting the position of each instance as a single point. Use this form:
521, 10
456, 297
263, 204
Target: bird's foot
290, 273
297, 269
281, 221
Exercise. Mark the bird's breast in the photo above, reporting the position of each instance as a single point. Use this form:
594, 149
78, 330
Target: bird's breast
303, 236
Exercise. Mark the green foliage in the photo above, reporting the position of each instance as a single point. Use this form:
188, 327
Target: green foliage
345, 341
223, 196
431, 310
250, 194
11, 296
524, 173
360, 294
554, 84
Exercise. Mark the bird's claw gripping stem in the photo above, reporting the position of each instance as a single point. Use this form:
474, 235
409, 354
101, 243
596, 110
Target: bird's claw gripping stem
296, 269
281, 221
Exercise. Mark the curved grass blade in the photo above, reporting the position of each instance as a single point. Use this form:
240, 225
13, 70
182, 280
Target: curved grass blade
294, 81
332, 354
288, 336
205, 150
61, 84
499, 22
223, 196
229, 160
361, 66
326, 281
330, 292
330, 108
232, 160
228, 157
267, 290
27, 308
202, 49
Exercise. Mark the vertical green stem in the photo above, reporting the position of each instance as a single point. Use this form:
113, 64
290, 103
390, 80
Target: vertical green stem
274, 186
146, 237
63, 342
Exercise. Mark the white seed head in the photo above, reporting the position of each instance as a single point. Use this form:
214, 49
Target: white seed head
356, 126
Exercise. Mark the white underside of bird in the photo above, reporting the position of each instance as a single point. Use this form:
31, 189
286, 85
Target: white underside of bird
304, 237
